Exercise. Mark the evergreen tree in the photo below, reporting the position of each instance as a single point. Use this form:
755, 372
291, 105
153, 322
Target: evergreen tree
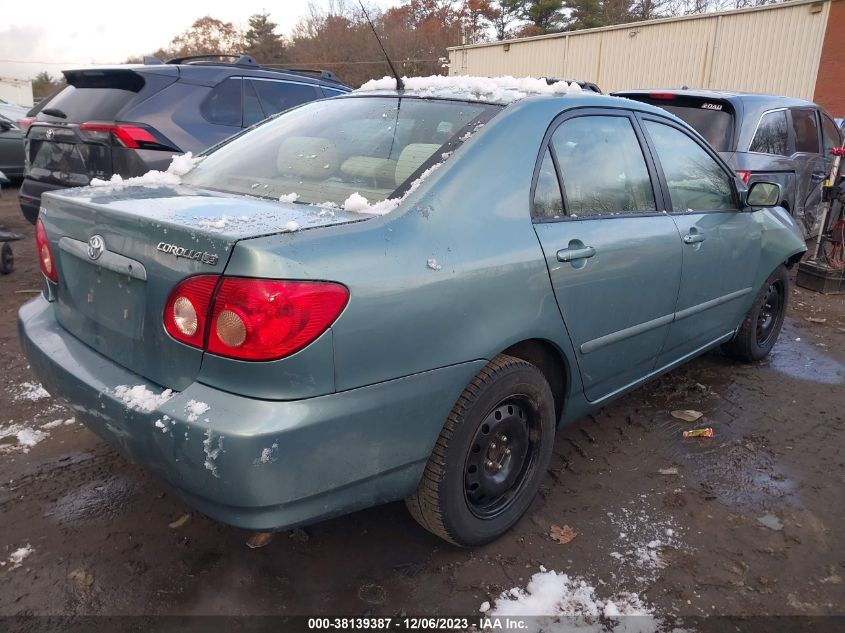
262, 41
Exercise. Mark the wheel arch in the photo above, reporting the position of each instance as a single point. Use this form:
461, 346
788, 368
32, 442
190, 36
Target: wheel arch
549, 359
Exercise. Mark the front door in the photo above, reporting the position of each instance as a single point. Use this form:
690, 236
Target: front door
720, 242
810, 167
613, 256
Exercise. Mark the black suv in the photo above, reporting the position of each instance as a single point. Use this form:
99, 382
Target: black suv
129, 119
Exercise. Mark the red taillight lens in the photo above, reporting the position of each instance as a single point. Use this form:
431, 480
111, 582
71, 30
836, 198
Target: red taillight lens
45, 253
131, 136
663, 96
259, 319
25, 123
744, 175
187, 308
252, 319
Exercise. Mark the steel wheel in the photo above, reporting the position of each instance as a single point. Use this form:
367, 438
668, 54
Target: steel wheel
769, 313
502, 453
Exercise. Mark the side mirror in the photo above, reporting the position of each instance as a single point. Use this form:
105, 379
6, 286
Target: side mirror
763, 194
5, 126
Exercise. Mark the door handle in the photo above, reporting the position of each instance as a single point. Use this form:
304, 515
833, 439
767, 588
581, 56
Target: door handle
572, 254
819, 175
693, 238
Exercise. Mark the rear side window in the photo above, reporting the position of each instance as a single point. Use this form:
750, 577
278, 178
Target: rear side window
223, 104
806, 130
695, 180
602, 167
772, 136
276, 96
548, 202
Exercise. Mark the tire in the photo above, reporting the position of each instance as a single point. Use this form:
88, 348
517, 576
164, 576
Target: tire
476, 484
761, 326
7, 260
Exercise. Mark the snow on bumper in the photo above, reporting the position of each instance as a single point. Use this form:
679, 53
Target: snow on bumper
257, 464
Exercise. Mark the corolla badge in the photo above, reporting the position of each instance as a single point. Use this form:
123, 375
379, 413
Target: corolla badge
96, 246
188, 253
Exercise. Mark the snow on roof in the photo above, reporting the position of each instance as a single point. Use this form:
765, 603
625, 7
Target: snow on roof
495, 89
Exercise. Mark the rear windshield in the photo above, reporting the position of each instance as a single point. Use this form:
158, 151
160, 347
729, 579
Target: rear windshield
713, 119
327, 150
92, 96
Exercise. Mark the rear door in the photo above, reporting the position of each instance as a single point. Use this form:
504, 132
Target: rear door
614, 256
720, 242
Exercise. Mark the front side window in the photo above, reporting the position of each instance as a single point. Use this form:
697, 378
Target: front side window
695, 180
602, 167
771, 136
223, 104
830, 136
327, 150
806, 130
548, 202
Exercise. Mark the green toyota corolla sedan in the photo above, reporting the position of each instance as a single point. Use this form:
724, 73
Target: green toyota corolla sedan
399, 295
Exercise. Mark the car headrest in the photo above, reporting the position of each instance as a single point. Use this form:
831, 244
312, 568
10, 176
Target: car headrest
311, 157
414, 155
379, 169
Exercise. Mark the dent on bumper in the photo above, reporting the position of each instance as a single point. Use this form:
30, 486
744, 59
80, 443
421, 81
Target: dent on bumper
257, 464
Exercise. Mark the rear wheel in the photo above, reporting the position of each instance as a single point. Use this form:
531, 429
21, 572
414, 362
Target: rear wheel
491, 455
761, 327
7, 260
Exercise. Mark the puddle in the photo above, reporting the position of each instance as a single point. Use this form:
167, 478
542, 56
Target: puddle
797, 357
103, 498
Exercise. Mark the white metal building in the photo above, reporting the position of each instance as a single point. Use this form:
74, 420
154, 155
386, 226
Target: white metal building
780, 49
17, 91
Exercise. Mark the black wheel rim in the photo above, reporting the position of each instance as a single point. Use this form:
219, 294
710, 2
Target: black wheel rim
770, 313
502, 456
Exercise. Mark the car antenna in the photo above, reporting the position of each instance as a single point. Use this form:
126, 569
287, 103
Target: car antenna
400, 85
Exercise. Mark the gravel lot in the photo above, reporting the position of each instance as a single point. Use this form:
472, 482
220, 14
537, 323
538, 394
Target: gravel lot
108, 539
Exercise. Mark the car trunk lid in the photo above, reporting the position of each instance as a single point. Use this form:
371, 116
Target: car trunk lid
120, 252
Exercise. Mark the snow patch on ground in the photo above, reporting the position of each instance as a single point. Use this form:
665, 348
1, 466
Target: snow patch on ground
17, 557
141, 398
553, 595
179, 166
26, 437
213, 446
59, 422
644, 536
194, 409
495, 89
31, 391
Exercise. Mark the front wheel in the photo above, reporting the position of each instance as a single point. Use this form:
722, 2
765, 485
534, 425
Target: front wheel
761, 327
490, 457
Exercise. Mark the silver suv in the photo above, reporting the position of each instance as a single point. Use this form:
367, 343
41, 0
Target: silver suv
762, 137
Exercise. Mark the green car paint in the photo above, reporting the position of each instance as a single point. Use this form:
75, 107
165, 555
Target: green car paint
455, 275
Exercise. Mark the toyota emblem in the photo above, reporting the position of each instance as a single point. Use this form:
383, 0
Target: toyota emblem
96, 246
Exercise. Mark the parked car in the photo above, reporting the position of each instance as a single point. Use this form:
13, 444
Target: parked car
11, 111
762, 137
11, 149
127, 120
444, 282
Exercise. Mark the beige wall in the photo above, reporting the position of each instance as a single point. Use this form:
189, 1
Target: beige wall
774, 49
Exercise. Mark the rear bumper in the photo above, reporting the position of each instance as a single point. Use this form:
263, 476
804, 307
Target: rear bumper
255, 464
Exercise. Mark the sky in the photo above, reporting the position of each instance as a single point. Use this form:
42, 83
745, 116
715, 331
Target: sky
65, 34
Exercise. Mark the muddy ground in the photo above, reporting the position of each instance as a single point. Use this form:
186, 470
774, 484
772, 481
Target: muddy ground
690, 542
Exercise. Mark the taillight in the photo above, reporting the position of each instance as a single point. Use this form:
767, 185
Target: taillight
129, 135
45, 253
744, 175
662, 96
25, 123
252, 319
187, 309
